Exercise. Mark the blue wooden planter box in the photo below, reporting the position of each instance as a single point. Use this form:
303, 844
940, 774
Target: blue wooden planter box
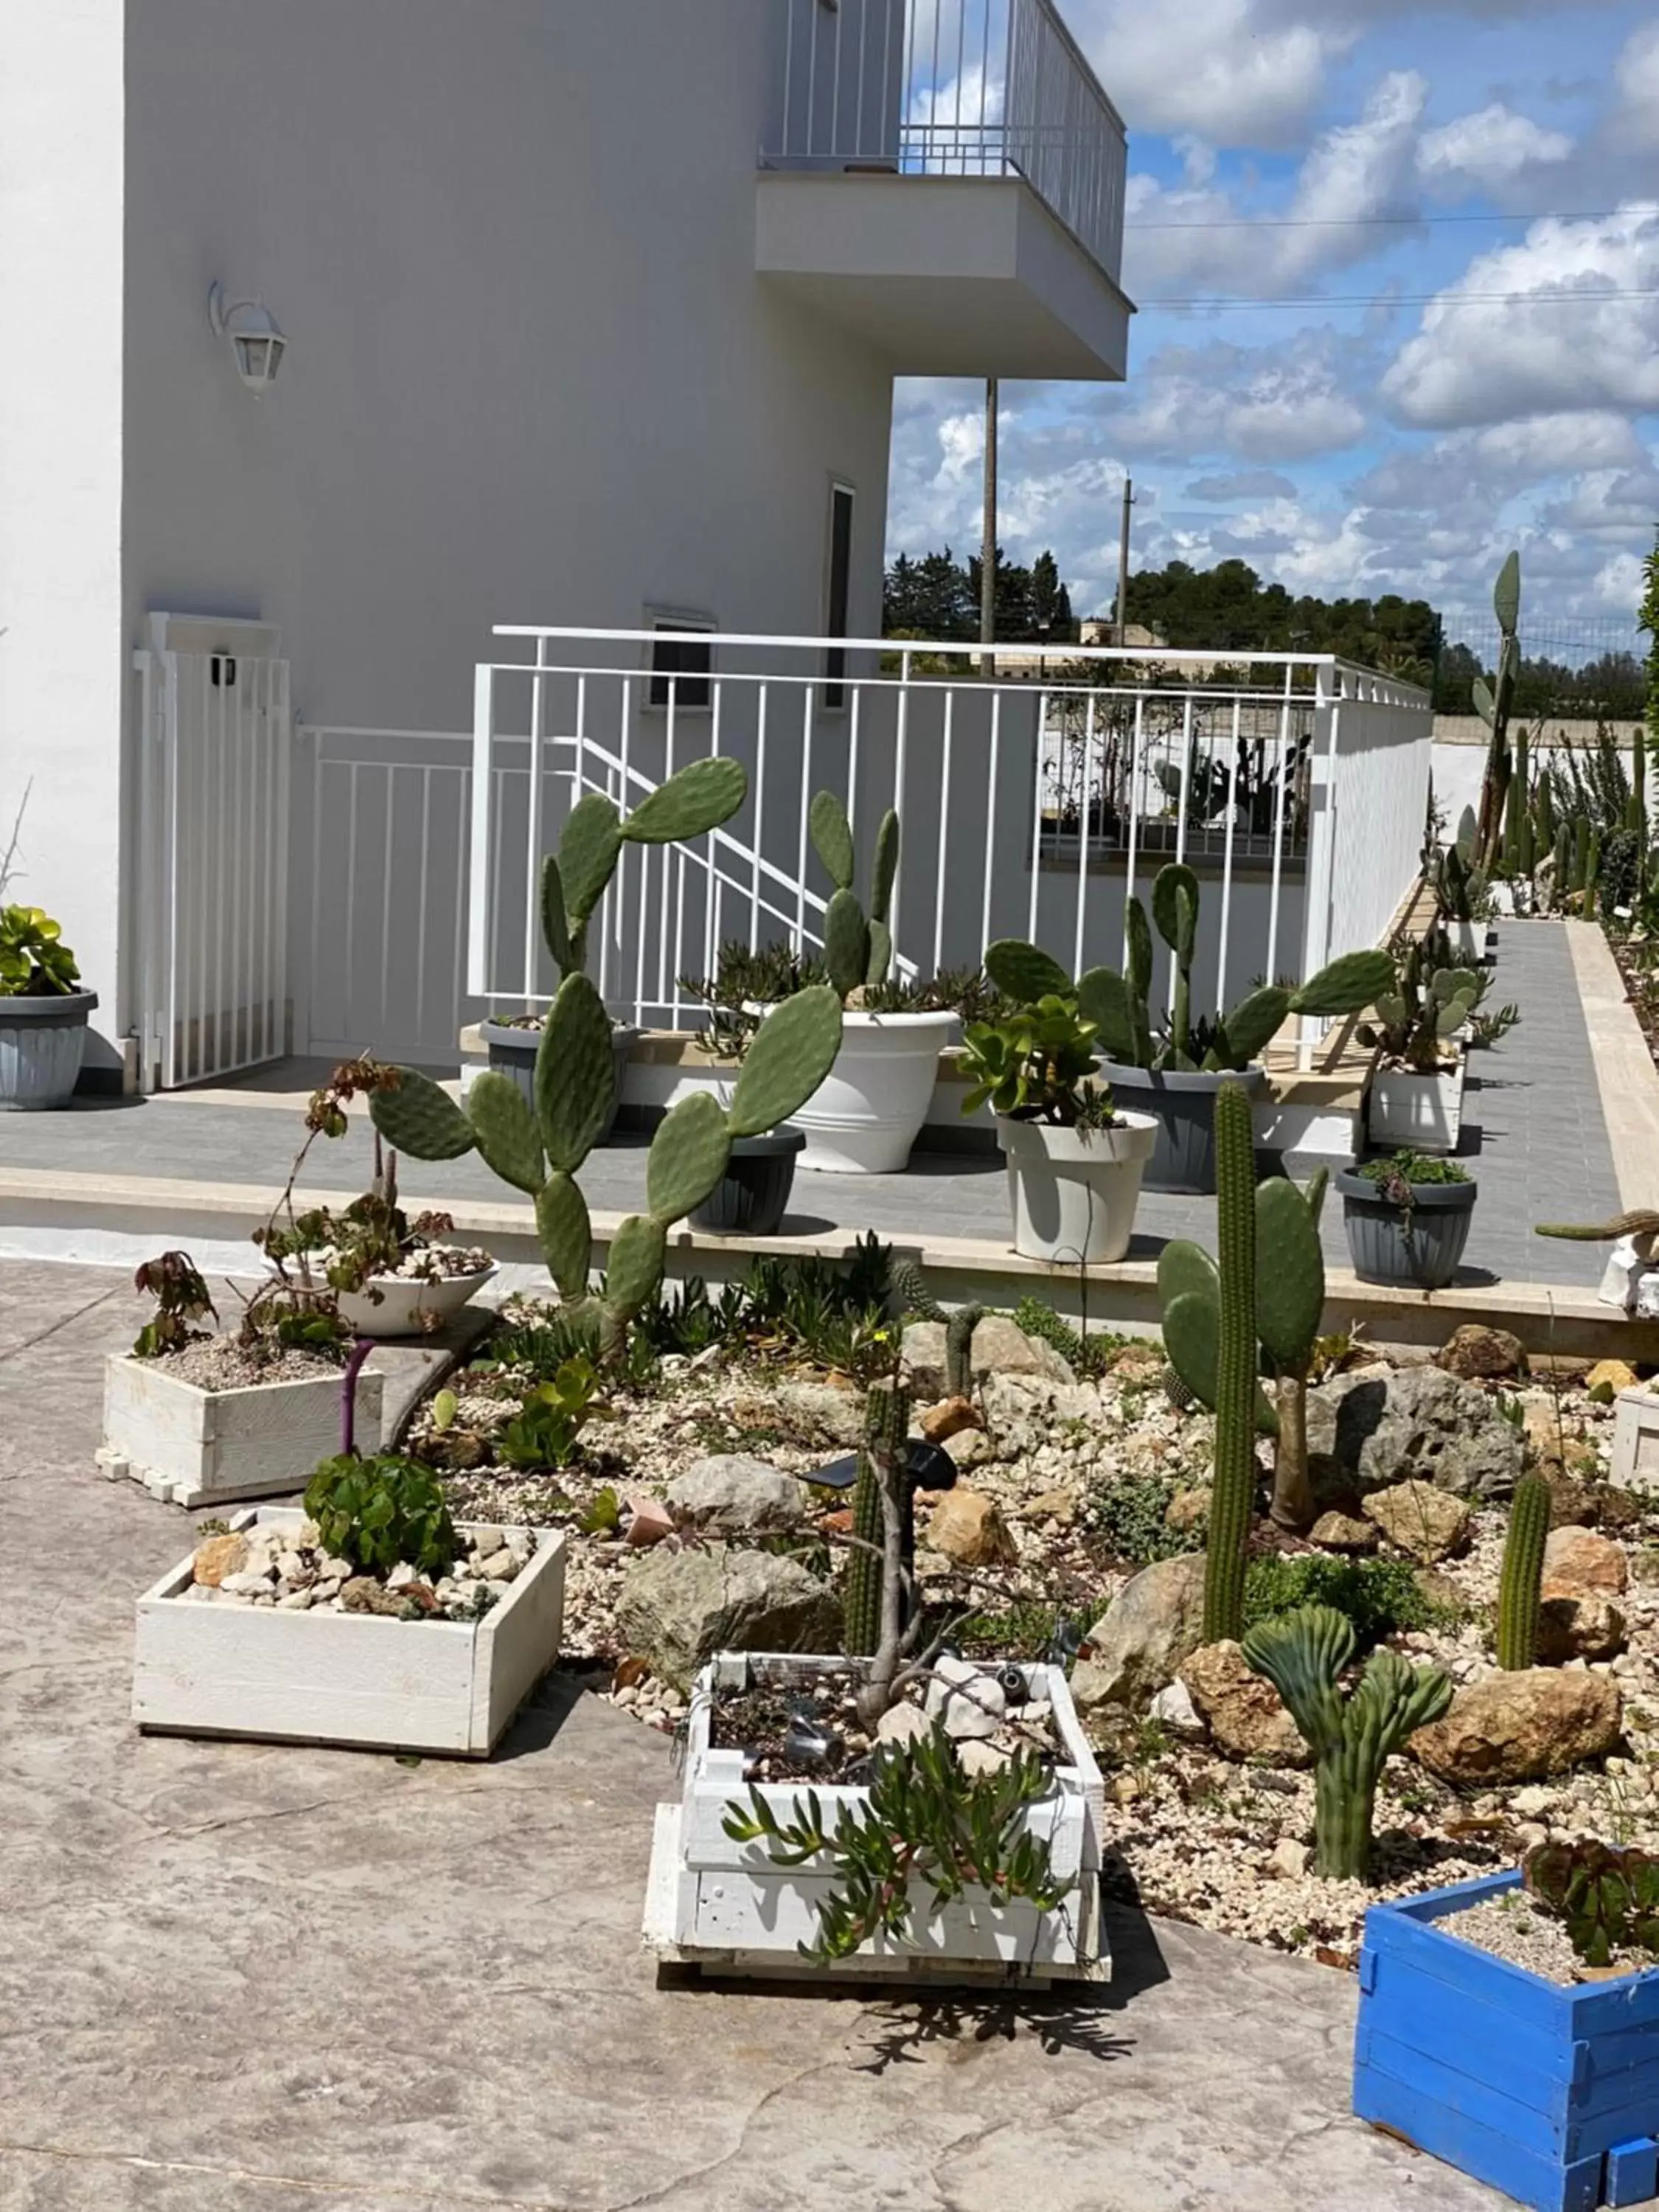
1551, 2094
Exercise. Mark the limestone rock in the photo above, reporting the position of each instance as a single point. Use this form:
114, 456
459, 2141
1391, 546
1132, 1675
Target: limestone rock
949, 1418
977, 1759
1022, 1411
1574, 1503
1242, 1711
1544, 1428
1587, 1627
999, 1348
966, 1698
1577, 1563
680, 1608
969, 1448
1174, 1708
1153, 1623
216, 1557
968, 1528
1474, 1353
823, 1415
1140, 1363
903, 1723
1379, 1426
1342, 1532
1522, 1726
1426, 1523
732, 1495
1052, 1505
1288, 1860
1612, 1376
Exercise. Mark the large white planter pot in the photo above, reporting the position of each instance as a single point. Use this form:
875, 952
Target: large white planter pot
867, 1112
1423, 1112
346, 1678
194, 1447
1073, 1193
724, 1906
1469, 942
407, 1307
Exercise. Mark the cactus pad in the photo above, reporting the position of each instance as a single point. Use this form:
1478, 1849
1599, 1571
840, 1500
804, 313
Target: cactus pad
1103, 997
507, 1138
694, 799
575, 1073
588, 847
420, 1119
792, 1053
832, 838
1289, 1275
566, 1234
1346, 986
846, 943
1255, 1022
1175, 908
1025, 974
884, 872
556, 924
687, 1158
638, 1252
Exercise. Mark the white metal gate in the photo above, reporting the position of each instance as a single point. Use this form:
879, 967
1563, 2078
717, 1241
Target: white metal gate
213, 861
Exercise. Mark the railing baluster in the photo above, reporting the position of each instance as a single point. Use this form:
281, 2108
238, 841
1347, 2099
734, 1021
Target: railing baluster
991, 815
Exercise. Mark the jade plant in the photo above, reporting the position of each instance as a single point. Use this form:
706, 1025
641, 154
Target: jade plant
539, 1149
1303, 1655
1119, 1008
1608, 1900
1035, 1065
1520, 1584
858, 948
34, 961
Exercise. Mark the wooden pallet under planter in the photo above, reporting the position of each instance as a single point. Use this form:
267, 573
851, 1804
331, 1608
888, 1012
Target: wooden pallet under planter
724, 1908
356, 1679
1551, 2094
193, 1447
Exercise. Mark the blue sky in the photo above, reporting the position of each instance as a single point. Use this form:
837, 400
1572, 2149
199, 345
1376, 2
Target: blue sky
1402, 445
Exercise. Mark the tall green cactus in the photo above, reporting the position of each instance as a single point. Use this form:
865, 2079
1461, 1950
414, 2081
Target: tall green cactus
1561, 872
1638, 784
1581, 846
1592, 876
1526, 841
886, 1425
1234, 1487
1174, 909
857, 949
1493, 703
1303, 1655
1522, 1582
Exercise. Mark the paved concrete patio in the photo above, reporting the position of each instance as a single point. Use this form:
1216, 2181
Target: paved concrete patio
270, 1979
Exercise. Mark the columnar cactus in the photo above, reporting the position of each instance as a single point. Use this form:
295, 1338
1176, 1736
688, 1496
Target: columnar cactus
1581, 852
886, 1425
1235, 1367
1519, 1589
1561, 867
909, 1285
1174, 909
1592, 875
1303, 1655
1493, 703
857, 949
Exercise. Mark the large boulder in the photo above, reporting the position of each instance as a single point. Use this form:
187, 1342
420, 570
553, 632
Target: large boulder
1023, 1412
1577, 1563
680, 1608
732, 1495
999, 1348
820, 1414
1588, 1627
1521, 1726
1428, 1525
1475, 1353
1153, 1623
1383, 1426
1243, 1712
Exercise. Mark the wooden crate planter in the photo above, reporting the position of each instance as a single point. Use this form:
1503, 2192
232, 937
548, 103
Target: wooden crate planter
345, 1678
723, 1906
1551, 2094
193, 1447
1636, 1439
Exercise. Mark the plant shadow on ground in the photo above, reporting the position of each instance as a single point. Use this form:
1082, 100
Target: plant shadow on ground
547, 1709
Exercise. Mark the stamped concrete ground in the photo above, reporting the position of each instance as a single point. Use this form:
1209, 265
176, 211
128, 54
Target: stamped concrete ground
278, 1979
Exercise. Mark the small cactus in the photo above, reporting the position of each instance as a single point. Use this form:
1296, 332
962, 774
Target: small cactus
908, 1285
1234, 1488
1303, 1655
1518, 1595
857, 949
886, 1423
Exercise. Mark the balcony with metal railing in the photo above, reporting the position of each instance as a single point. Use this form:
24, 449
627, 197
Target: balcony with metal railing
947, 177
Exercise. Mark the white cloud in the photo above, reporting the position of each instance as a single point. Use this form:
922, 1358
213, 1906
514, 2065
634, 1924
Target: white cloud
1242, 484
1218, 72
1634, 126
1490, 147
1269, 404
1546, 344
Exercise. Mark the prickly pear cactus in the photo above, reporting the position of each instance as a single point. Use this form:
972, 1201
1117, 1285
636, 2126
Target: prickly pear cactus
857, 949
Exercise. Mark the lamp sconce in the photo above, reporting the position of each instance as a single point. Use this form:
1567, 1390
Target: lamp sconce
257, 344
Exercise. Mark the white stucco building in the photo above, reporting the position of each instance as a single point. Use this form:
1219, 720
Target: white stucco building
593, 310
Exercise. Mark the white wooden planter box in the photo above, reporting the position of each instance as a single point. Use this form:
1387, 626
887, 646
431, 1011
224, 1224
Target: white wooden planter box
1636, 1440
1425, 1112
725, 1907
345, 1678
194, 1447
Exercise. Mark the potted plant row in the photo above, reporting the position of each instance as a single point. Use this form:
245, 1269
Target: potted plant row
43, 1013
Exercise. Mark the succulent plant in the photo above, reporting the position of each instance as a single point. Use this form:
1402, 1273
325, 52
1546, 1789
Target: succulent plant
1460, 885
1607, 1900
1522, 1582
858, 948
1493, 702
1303, 1655
34, 961
909, 1285
1236, 1389
382, 1512
1424, 1011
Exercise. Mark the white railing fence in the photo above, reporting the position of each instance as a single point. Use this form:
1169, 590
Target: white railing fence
952, 88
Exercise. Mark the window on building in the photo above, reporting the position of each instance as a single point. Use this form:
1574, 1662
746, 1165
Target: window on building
839, 594
682, 662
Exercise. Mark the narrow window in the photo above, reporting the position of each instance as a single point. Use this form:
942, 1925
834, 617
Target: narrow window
839, 592
682, 663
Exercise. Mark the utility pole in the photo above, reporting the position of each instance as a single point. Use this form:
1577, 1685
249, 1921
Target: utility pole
987, 555
1123, 564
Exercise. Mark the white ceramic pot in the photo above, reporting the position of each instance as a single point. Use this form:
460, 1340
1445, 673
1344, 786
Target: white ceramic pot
407, 1307
1074, 1193
866, 1115
1469, 942
1425, 1112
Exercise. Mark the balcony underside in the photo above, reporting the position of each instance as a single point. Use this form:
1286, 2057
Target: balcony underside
947, 276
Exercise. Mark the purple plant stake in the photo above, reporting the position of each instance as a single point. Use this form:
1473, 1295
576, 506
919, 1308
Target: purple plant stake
361, 1348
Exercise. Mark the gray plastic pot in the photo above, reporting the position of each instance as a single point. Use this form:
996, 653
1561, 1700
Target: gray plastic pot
1183, 1106
42, 1043
749, 1199
1383, 1250
512, 1052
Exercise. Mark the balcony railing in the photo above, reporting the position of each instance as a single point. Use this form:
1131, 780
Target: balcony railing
952, 88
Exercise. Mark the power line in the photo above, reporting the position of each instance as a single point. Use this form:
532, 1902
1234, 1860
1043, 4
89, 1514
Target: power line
1419, 299
1370, 221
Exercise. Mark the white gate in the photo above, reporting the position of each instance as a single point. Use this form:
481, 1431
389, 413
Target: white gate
213, 861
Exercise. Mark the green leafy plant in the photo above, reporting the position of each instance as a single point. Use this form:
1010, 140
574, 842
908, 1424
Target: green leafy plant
34, 962
1303, 1655
1489, 1029
181, 1299
1088, 1355
1129, 1513
927, 1832
1381, 1597
382, 1511
602, 1514
1608, 1900
857, 949
1460, 885
549, 1424
1035, 1065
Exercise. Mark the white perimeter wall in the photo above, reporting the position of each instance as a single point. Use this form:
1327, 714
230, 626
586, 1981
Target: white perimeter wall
62, 656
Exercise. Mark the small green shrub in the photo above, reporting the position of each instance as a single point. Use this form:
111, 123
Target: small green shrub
1026, 1629
379, 1512
1127, 1512
1088, 1356
1415, 1169
549, 1424
1379, 1596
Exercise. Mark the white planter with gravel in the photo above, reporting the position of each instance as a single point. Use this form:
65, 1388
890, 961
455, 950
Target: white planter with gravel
191, 1446
410, 1305
725, 1907
356, 1679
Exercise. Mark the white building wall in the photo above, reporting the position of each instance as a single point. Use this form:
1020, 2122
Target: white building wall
63, 655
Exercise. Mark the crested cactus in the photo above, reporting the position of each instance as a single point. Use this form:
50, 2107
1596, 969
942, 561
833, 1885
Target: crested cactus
1234, 1487
1522, 1583
887, 1424
857, 949
1303, 1655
